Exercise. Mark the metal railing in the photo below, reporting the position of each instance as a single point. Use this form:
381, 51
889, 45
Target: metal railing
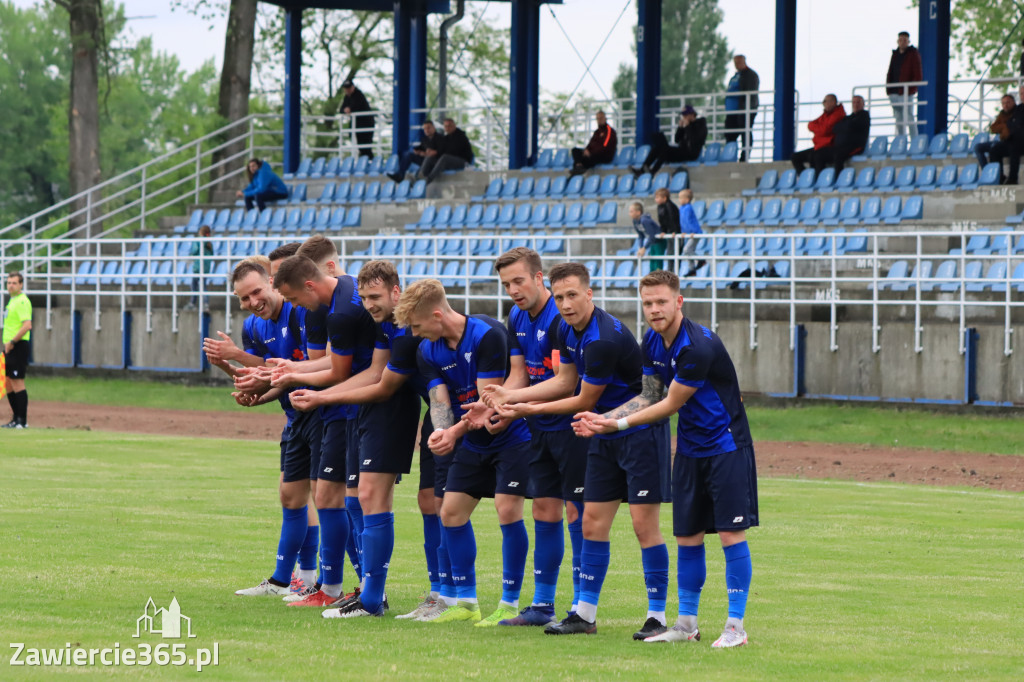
742, 278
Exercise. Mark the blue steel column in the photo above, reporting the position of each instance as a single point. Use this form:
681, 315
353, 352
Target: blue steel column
933, 43
648, 68
524, 96
785, 79
292, 88
417, 72
401, 56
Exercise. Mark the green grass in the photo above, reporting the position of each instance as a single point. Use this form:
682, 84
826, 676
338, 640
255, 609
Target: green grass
851, 581
816, 422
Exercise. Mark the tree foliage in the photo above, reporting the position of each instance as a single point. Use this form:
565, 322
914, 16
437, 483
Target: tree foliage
986, 33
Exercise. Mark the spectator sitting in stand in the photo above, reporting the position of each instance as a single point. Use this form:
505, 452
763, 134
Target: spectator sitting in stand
690, 226
998, 127
430, 142
455, 153
822, 127
1013, 146
691, 133
850, 137
600, 149
648, 233
264, 185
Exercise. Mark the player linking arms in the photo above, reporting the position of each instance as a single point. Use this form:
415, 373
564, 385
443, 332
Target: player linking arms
459, 357
387, 424
714, 483
599, 350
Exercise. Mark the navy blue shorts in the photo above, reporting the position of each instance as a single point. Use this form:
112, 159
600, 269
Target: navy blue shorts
300, 447
428, 466
559, 465
663, 437
625, 468
506, 472
333, 450
387, 433
352, 455
714, 493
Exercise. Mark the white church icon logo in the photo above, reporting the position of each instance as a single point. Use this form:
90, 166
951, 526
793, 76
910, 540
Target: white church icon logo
164, 622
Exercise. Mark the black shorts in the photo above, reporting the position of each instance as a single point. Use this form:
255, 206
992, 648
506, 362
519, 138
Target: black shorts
17, 360
352, 454
559, 465
300, 447
505, 472
624, 468
428, 479
333, 449
663, 438
387, 433
714, 493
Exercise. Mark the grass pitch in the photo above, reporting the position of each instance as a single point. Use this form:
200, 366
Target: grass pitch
851, 581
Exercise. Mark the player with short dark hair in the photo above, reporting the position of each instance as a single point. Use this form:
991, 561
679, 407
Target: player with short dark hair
351, 332
714, 484
458, 357
558, 465
599, 353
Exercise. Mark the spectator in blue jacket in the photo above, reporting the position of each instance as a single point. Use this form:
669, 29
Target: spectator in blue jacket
647, 231
690, 226
264, 185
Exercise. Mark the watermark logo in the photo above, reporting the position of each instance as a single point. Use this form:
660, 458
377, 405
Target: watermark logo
164, 622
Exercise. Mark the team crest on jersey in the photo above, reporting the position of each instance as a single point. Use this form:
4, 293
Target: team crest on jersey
284, 332
540, 334
469, 357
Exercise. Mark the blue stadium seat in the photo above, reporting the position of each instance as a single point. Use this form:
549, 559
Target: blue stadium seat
346, 167
777, 245
946, 180
826, 179
508, 190
710, 154
938, 147
372, 192
391, 166
558, 187
506, 216
975, 141
716, 209
542, 187
358, 191
362, 164
297, 193
891, 210
307, 219
608, 185
733, 212
523, 215
905, 179
766, 185
752, 212
641, 154
591, 187
342, 191
626, 185
925, 181
989, 174
975, 243
857, 242
791, 212
574, 188
830, 211
561, 159
327, 193
680, 181
1016, 279
734, 273
573, 214
972, 273
730, 152
539, 219
525, 189
249, 222
402, 190
884, 179
278, 219
845, 180
737, 244
608, 214
662, 179
451, 247
699, 208
337, 221
898, 148
354, 216
878, 148
809, 211
544, 159
426, 218
958, 146
865, 180
913, 209
787, 180
387, 191
896, 279
418, 190
331, 168
625, 157
323, 219
805, 181
316, 170
376, 166
871, 210
978, 282
488, 219
556, 216
301, 172
220, 222
450, 274
458, 218
850, 213
443, 218
772, 211
968, 178
918, 148
999, 245
625, 275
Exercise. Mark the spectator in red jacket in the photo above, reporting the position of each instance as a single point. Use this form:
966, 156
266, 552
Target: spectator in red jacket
823, 136
904, 67
600, 149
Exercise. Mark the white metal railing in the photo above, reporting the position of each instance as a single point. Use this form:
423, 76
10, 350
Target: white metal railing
810, 270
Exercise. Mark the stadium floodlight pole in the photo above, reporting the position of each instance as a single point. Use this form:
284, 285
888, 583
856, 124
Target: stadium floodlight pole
442, 55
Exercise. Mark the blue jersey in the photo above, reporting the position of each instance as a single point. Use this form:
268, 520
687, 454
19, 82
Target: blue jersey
605, 354
482, 353
280, 338
350, 330
534, 339
713, 420
403, 346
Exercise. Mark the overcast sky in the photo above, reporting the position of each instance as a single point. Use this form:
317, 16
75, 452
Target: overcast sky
839, 43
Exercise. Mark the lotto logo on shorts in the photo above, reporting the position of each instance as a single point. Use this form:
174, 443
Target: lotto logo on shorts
642, 493
366, 462
738, 519
578, 490
328, 470
513, 484
352, 477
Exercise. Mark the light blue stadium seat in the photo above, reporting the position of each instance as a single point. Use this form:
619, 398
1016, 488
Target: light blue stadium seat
898, 148
558, 187
978, 282
525, 189
391, 166
573, 214
976, 243
925, 180
561, 159
337, 220
958, 145
354, 216
989, 174
387, 191
342, 191
968, 177
301, 172
937, 147
791, 212
845, 180
1016, 279
450, 274
680, 181
358, 191
625, 275
884, 179
418, 190
346, 167
506, 216
865, 180
489, 219
372, 192
871, 210
443, 218
608, 185
777, 245
426, 218
830, 211
539, 218
878, 148
805, 181
542, 187
402, 190
702, 278
508, 190
523, 215
316, 170
730, 152
327, 193
850, 213
905, 179
323, 219
752, 212
787, 182
458, 217
733, 212
913, 209
641, 154
297, 193
736, 244
772, 211
766, 185
998, 246
733, 274
574, 188
362, 164
975, 141
891, 210
662, 179
556, 216
715, 213
946, 180
857, 242
608, 214
699, 209
307, 219
810, 210
644, 185
897, 279
826, 179
625, 185
544, 159
591, 187
331, 168
918, 148
711, 152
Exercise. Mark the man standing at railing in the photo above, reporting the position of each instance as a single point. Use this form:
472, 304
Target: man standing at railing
354, 102
904, 67
17, 333
742, 108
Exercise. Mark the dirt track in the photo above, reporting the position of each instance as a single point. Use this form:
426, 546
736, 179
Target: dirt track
808, 460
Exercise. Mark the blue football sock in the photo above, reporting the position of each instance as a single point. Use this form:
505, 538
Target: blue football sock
444, 567
431, 541
655, 563
293, 532
548, 550
596, 555
378, 544
515, 545
691, 571
576, 540
462, 549
355, 542
334, 534
307, 554
738, 571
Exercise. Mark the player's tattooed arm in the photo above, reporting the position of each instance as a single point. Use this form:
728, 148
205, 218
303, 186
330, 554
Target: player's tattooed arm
653, 389
440, 409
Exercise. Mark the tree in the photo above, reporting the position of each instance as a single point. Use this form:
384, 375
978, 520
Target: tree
987, 33
235, 76
694, 55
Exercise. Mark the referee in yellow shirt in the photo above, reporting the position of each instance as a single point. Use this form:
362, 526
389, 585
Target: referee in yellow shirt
17, 332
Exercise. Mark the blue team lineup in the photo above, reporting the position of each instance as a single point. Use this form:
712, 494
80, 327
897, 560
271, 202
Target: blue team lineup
562, 405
